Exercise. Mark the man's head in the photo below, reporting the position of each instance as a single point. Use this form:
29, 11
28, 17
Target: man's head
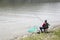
45, 21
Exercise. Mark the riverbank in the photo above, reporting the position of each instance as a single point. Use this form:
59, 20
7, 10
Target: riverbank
53, 34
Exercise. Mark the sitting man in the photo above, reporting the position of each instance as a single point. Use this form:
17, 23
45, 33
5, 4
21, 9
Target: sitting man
45, 26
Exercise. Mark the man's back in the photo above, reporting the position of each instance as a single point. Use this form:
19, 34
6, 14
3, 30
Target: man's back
45, 24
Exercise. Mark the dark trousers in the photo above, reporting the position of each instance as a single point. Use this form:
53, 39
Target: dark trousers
43, 29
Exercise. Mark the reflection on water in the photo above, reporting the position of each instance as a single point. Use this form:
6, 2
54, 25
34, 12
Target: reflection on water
16, 20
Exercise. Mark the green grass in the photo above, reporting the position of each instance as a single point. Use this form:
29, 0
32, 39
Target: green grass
55, 35
34, 37
57, 32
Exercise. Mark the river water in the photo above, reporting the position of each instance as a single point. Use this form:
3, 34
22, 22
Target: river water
16, 20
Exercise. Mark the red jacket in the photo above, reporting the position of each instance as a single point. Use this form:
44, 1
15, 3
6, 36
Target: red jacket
44, 24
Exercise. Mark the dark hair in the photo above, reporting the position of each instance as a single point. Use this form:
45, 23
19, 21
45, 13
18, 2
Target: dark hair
45, 20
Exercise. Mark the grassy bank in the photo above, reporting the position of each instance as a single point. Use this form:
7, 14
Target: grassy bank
52, 35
